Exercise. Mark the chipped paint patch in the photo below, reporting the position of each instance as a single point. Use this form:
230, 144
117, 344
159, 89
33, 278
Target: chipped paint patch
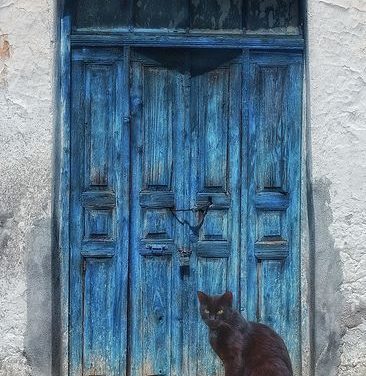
4, 47
4, 56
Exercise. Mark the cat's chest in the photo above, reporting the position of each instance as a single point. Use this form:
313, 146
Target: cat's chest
213, 336
228, 348
220, 339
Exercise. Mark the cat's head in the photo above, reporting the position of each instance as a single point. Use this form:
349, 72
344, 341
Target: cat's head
215, 309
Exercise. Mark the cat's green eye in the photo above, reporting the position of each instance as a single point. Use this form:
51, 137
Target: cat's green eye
207, 311
220, 312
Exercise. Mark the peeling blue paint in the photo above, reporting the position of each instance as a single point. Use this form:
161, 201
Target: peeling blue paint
222, 125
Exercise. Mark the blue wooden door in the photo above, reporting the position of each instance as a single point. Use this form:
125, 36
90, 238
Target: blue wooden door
186, 116
273, 195
185, 177
99, 217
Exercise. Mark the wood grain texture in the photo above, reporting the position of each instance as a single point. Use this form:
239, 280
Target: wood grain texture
98, 224
270, 14
216, 14
61, 211
157, 186
208, 15
98, 304
155, 14
274, 196
165, 129
266, 42
100, 14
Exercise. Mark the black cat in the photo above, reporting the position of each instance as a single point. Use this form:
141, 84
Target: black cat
246, 348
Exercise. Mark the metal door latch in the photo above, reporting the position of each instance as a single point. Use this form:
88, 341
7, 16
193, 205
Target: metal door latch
156, 249
184, 257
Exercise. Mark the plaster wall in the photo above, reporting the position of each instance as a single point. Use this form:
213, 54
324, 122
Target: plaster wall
26, 126
336, 204
337, 109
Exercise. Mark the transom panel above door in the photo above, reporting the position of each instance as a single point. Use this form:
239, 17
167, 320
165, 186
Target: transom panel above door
185, 177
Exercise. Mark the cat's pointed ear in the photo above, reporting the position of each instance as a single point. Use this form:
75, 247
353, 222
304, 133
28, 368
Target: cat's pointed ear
228, 298
201, 296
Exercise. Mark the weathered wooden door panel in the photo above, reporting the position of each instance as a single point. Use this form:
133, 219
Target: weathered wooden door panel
158, 163
186, 118
274, 195
215, 124
99, 214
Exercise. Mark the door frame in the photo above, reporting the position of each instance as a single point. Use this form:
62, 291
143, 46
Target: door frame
61, 178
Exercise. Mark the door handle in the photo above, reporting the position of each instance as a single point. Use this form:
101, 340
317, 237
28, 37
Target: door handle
156, 249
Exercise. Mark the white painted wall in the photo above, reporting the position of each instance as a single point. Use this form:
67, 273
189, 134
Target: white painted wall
337, 55
337, 83
26, 125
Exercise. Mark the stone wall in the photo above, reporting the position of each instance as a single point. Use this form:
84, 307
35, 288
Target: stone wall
336, 197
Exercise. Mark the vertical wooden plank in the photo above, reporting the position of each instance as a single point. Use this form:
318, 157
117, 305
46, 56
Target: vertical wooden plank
77, 179
61, 209
98, 308
135, 298
156, 312
252, 268
271, 133
98, 107
235, 181
214, 148
194, 92
121, 145
293, 103
181, 181
272, 302
187, 279
244, 183
158, 122
211, 278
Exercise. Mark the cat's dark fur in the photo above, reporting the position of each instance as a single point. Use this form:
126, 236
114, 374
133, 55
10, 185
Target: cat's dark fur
246, 348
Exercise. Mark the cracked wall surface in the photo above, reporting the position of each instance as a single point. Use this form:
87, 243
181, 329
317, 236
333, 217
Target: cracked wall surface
26, 125
337, 138
337, 55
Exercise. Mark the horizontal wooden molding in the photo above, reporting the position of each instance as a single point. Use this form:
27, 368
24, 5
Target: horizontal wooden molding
157, 200
98, 199
151, 40
215, 249
271, 250
271, 201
